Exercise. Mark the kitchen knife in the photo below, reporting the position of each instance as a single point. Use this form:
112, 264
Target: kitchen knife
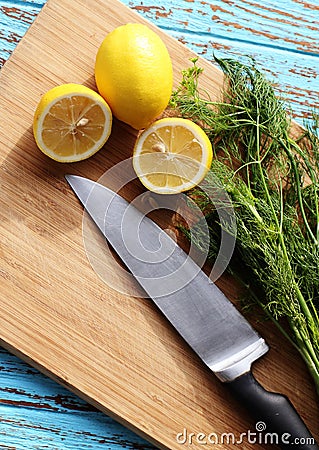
195, 306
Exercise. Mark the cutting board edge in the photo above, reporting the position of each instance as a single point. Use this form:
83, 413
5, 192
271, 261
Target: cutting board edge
92, 401
45, 370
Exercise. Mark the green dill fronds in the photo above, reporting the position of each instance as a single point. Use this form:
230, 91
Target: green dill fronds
272, 180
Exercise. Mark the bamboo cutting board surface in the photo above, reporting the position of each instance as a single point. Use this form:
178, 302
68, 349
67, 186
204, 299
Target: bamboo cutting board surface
114, 350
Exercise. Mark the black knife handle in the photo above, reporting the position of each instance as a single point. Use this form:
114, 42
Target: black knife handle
277, 420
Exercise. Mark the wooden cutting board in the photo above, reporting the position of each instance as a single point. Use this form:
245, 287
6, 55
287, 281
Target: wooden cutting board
114, 350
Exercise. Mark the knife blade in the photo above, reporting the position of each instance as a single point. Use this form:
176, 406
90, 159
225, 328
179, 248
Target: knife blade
194, 305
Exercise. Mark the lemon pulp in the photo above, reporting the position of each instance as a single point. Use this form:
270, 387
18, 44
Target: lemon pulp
71, 123
172, 155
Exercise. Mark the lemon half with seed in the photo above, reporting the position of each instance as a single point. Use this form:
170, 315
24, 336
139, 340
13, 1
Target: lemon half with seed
71, 122
172, 155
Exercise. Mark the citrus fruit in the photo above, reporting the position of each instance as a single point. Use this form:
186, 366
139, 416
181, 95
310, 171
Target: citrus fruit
71, 122
172, 155
133, 72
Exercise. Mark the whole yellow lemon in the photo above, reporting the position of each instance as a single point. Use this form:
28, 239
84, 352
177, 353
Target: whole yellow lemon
134, 74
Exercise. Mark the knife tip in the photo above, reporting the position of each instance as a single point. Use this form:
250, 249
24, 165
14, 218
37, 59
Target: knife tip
68, 177
71, 178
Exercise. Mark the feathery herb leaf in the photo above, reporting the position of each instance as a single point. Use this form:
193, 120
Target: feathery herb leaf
273, 182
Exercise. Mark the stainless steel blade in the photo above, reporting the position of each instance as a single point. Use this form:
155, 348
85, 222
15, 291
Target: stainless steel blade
195, 306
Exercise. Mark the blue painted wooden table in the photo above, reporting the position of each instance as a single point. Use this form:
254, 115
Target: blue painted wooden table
283, 37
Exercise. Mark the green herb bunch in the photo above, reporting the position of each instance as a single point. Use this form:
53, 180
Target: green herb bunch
272, 180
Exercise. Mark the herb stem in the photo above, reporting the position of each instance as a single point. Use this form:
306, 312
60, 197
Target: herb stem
264, 172
298, 188
312, 363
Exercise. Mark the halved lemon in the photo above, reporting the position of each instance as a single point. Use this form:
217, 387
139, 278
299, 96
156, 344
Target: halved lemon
71, 122
172, 155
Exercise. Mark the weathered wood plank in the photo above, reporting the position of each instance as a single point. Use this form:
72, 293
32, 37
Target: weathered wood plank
15, 19
37, 413
283, 38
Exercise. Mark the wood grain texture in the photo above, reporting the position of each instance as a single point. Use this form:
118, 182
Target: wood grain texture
41, 190
37, 413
